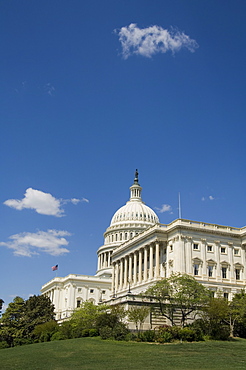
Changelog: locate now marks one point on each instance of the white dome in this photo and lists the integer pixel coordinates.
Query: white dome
(135, 211)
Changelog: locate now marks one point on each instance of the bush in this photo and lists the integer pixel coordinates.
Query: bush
(167, 334)
(106, 332)
(120, 331)
(188, 335)
(147, 336)
(85, 333)
(93, 333)
(57, 336)
(165, 338)
(3, 344)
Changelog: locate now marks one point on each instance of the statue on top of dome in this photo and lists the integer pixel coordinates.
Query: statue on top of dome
(136, 177)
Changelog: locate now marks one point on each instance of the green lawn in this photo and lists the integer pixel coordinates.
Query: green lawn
(95, 354)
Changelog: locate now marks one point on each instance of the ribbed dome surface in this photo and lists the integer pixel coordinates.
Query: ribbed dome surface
(134, 211)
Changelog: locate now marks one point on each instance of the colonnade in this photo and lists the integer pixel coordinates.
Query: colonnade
(104, 260)
(139, 266)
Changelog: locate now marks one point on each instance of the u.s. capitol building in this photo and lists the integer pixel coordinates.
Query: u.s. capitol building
(138, 251)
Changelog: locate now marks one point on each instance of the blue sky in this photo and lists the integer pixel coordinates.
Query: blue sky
(92, 90)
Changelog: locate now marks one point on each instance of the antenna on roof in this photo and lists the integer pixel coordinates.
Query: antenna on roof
(179, 207)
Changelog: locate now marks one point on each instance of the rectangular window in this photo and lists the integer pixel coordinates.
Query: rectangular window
(223, 250)
(79, 290)
(78, 303)
(236, 252)
(195, 246)
(196, 269)
(103, 291)
(171, 248)
(209, 248)
(226, 295)
(224, 270)
(237, 271)
(91, 290)
(210, 271)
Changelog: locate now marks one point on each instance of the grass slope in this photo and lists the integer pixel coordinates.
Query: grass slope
(93, 353)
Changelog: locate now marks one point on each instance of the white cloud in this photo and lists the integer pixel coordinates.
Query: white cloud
(75, 200)
(210, 198)
(164, 208)
(49, 89)
(28, 244)
(42, 203)
(152, 40)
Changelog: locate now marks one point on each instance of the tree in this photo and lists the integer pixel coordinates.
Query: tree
(1, 305)
(138, 315)
(179, 293)
(21, 317)
(85, 317)
(12, 321)
(220, 312)
(37, 310)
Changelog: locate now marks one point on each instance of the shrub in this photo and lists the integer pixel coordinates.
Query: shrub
(106, 332)
(188, 335)
(165, 338)
(93, 333)
(147, 336)
(3, 344)
(120, 331)
(85, 333)
(57, 336)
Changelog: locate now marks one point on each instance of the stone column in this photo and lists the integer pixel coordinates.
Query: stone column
(113, 279)
(151, 261)
(203, 256)
(231, 268)
(125, 273)
(140, 265)
(130, 268)
(145, 263)
(116, 275)
(135, 269)
(243, 261)
(121, 274)
(157, 260)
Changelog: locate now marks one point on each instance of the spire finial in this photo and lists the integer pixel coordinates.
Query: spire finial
(136, 177)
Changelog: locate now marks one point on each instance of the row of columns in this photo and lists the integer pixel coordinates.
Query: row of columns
(104, 260)
(137, 267)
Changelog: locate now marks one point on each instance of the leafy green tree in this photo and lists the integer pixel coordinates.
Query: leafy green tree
(216, 311)
(44, 332)
(138, 315)
(1, 305)
(86, 317)
(37, 310)
(220, 312)
(21, 317)
(179, 293)
(12, 322)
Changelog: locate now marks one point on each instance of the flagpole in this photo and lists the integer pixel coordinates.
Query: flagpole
(179, 207)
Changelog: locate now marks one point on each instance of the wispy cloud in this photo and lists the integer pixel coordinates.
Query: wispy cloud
(152, 40)
(49, 89)
(164, 208)
(210, 197)
(42, 203)
(28, 244)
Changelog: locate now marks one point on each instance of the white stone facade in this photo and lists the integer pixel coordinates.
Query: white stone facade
(138, 251)
(70, 292)
(213, 254)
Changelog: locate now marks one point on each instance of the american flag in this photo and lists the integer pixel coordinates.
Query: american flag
(54, 267)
